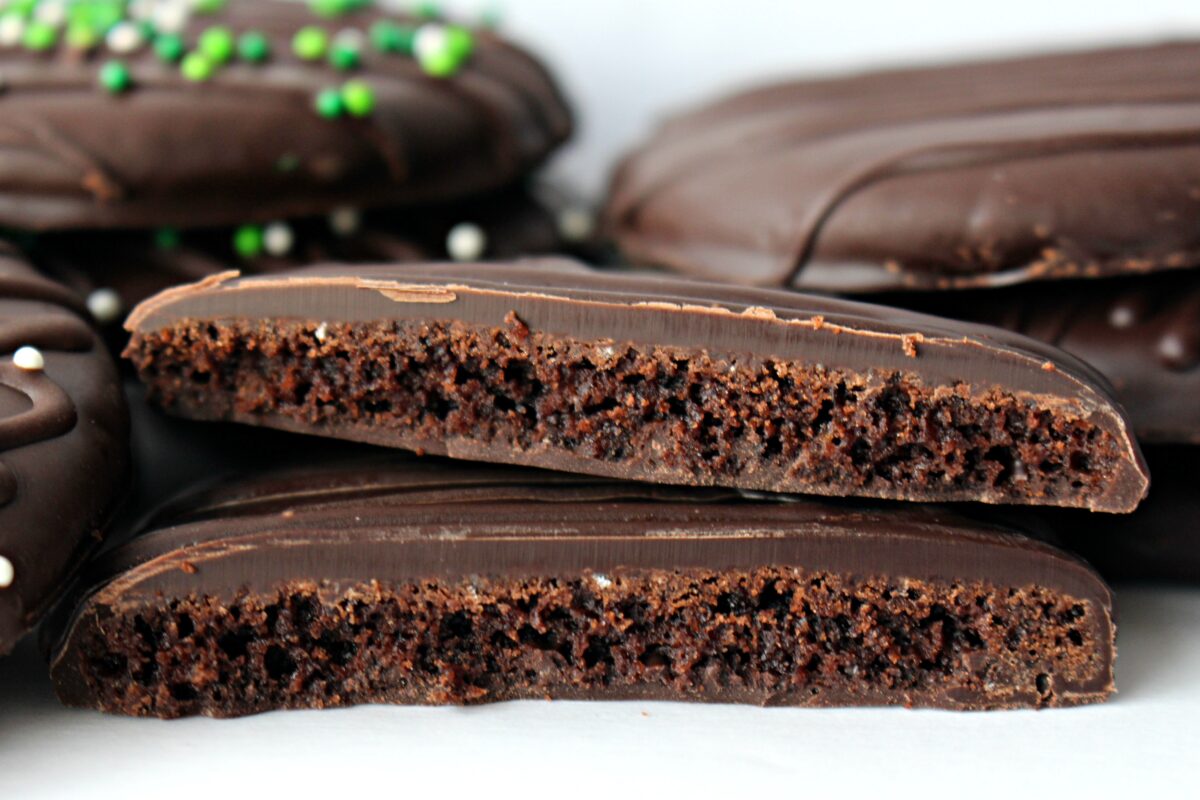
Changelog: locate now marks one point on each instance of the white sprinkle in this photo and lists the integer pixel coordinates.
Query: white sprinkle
(7, 573)
(278, 238)
(12, 28)
(51, 12)
(430, 41)
(105, 305)
(322, 332)
(345, 221)
(124, 37)
(466, 242)
(576, 224)
(171, 17)
(352, 38)
(602, 581)
(29, 358)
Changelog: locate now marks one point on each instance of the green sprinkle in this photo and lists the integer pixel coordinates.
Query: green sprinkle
(459, 42)
(217, 44)
(358, 98)
(169, 47)
(328, 103)
(207, 6)
(196, 67)
(442, 54)
(254, 47)
(40, 35)
(310, 43)
(344, 57)
(428, 10)
(390, 37)
(248, 241)
(115, 77)
(288, 162)
(166, 238)
(82, 36)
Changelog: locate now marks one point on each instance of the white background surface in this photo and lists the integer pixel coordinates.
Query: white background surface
(625, 63)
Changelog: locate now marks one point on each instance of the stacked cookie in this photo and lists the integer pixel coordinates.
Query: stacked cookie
(626, 485)
(1053, 196)
(152, 143)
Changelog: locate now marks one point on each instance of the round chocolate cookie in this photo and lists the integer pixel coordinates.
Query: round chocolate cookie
(166, 112)
(983, 174)
(64, 449)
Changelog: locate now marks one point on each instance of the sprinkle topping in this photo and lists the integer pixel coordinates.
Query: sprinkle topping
(310, 43)
(217, 44)
(466, 242)
(169, 47)
(248, 241)
(345, 221)
(29, 359)
(253, 47)
(115, 77)
(124, 37)
(196, 67)
(104, 305)
(358, 98)
(7, 573)
(278, 239)
(40, 36)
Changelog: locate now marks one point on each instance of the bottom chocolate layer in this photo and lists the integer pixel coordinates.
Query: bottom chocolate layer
(423, 582)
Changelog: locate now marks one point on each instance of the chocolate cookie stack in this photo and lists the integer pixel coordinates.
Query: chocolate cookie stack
(626, 485)
(1052, 196)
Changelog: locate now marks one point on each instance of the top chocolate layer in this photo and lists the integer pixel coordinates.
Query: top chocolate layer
(248, 143)
(63, 443)
(568, 323)
(981, 174)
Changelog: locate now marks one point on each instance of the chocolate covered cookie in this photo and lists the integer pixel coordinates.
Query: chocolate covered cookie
(429, 582)
(549, 364)
(64, 450)
(985, 174)
(174, 113)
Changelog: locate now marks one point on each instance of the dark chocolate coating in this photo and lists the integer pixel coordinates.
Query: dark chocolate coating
(63, 443)
(396, 520)
(247, 144)
(562, 298)
(982, 174)
(1143, 333)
